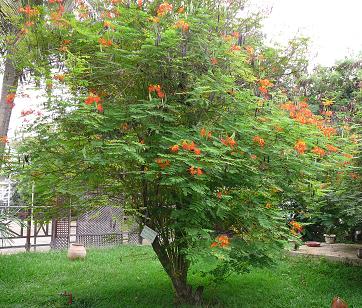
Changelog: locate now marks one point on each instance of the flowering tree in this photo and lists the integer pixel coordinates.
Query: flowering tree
(163, 108)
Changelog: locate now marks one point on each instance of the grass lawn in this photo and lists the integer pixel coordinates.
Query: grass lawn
(131, 276)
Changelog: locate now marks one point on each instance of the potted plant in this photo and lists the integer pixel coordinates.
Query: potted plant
(329, 236)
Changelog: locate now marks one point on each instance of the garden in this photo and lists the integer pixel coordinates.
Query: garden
(174, 133)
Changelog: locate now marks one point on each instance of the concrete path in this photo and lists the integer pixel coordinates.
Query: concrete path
(346, 253)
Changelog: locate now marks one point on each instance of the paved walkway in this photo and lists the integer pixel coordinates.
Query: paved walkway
(335, 252)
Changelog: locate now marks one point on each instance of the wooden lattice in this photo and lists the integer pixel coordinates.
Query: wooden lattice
(100, 227)
(60, 233)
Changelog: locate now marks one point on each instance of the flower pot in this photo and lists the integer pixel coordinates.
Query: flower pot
(359, 253)
(76, 251)
(329, 238)
(339, 303)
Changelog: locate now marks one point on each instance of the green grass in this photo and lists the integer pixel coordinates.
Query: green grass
(131, 276)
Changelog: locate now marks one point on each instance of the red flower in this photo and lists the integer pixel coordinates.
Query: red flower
(219, 194)
(140, 3)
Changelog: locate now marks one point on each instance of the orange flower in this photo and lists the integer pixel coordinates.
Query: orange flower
(203, 132)
(327, 103)
(194, 171)
(235, 48)
(156, 20)
(197, 151)
(329, 113)
(295, 227)
(209, 135)
(328, 131)
(100, 107)
(228, 141)
(164, 8)
(263, 90)
(268, 206)
(332, 148)
(300, 147)
(235, 34)
(303, 104)
(104, 42)
(59, 77)
(181, 24)
(249, 50)
(253, 156)
(354, 175)
(265, 83)
(214, 61)
(92, 98)
(163, 163)
(175, 148)
(4, 139)
(259, 140)
(318, 151)
(278, 128)
(181, 10)
(140, 3)
(349, 156)
(192, 146)
(10, 99)
(156, 88)
(185, 146)
(219, 194)
(222, 241)
(27, 10)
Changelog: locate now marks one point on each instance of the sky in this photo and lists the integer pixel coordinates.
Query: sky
(334, 27)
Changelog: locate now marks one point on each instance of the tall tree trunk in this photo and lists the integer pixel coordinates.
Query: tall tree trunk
(176, 267)
(10, 84)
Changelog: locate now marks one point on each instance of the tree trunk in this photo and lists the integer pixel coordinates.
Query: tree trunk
(176, 267)
(10, 84)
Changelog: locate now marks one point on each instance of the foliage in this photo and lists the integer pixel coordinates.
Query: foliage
(163, 106)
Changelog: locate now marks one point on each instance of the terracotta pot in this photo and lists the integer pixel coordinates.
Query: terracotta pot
(329, 238)
(359, 253)
(339, 303)
(76, 251)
